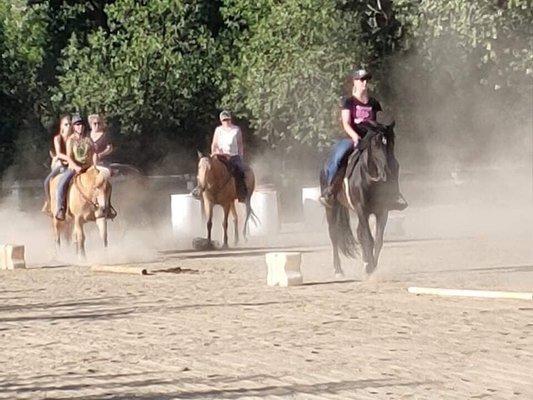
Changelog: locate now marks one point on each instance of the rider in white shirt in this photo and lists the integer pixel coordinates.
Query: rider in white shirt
(227, 145)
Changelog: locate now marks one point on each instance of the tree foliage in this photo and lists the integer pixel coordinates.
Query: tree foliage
(154, 71)
(292, 59)
(160, 69)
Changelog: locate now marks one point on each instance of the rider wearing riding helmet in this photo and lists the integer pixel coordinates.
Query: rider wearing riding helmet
(227, 144)
(358, 115)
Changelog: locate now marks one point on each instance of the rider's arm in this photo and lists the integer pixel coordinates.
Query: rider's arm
(108, 150)
(239, 143)
(345, 115)
(214, 143)
(57, 148)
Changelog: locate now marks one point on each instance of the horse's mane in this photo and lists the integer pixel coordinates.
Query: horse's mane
(387, 131)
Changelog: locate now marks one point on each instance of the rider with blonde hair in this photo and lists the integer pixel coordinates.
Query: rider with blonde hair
(102, 149)
(59, 157)
(102, 146)
(358, 115)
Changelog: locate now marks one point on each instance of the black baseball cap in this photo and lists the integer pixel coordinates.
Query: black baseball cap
(76, 119)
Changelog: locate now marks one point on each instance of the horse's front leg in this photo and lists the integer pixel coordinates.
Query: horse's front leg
(80, 237)
(225, 226)
(381, 222)
(364, 236)
(208, 209)
(332, 229)
(102, 228)
(57, 232)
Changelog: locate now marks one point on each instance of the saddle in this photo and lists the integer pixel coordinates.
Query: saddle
(240, 181)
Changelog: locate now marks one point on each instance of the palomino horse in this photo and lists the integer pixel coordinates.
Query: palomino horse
(88, 197)
(364, 191)
(218, 187)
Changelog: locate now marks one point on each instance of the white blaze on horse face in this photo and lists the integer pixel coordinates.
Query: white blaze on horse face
(384, 140)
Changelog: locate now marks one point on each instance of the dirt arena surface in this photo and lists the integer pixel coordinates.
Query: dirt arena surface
(215, 330)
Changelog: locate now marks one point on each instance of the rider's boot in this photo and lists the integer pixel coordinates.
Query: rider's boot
(197, 193)
(110, 212)
(328, 197)
(60, 215)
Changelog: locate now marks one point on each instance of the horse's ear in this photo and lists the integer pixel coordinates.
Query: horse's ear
(200, 155)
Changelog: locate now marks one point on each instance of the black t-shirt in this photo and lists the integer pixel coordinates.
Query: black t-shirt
(361, 112)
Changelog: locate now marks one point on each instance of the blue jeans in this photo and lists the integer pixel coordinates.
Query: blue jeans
(56, 169)
(62, 188)
(237, 169)
(342, 148)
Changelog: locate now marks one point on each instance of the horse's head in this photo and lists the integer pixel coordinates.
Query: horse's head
(204, 166)
(376, 160)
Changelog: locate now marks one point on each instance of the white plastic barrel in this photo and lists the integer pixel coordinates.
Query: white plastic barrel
(264, 202)
(186, 212)
(313, 211)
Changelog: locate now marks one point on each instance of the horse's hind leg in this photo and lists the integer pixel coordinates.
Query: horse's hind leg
(381, 222)
(334, 239)
(225, 226)
(235, 223)
(364, 237)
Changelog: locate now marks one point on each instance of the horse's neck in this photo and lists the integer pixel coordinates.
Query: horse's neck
(217, 174)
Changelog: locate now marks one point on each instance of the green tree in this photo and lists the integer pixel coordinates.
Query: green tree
(288, 69)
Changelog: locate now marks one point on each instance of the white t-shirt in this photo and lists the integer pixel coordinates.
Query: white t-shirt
(227, 139)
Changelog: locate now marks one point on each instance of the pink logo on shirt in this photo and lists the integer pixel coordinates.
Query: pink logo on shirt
(363, 113)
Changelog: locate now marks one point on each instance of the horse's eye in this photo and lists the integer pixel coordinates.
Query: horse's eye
(384, 140)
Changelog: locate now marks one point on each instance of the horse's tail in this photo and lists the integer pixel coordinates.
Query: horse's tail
(250, 214)
(341, 224)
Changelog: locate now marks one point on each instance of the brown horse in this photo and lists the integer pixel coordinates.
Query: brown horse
(218, 187)
(88, 197)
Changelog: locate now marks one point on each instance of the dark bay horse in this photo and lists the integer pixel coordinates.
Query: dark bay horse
(218, 187)
(365, 191)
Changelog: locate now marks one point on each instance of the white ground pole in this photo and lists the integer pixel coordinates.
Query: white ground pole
(471, 293)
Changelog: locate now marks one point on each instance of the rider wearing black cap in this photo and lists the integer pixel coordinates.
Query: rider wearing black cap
(80, 156)
(359, 112)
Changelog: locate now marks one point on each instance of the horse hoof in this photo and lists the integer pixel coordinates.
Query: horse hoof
(339, 275)
(369, 269)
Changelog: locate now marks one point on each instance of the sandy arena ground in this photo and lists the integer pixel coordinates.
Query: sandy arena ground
(216, 331)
